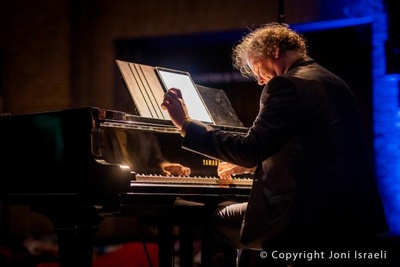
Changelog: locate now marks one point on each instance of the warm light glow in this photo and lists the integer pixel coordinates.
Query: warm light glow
(124, 167)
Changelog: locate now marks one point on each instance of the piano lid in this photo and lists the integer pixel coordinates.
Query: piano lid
(52, 152)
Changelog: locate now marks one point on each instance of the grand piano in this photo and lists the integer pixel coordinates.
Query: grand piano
(78, 166)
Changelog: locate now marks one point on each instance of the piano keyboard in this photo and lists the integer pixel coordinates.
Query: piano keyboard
(187, 180)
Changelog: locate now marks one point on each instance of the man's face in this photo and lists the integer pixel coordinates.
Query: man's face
(263, 69)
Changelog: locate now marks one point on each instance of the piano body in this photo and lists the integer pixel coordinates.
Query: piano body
(77, 166)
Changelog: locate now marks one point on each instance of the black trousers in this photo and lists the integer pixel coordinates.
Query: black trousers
(325, 250)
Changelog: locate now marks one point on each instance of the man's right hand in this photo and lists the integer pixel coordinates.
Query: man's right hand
(175, 105)
(226, 170)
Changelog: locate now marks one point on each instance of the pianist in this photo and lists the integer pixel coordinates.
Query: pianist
(313, 183)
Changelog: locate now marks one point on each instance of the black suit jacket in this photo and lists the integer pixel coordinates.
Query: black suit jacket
(314, 176)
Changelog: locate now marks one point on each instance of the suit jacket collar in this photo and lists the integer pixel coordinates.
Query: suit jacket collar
(301, 62)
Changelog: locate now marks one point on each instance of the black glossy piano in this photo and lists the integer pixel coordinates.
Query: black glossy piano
(78, 166)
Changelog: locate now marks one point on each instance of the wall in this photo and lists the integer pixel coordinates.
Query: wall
(58, 54)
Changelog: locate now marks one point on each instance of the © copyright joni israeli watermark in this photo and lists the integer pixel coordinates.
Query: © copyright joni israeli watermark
(324, 255)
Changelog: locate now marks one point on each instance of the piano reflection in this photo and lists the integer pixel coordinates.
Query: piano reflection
(77, 166)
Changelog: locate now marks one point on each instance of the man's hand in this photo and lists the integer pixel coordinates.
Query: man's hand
(226, 170)
(176, 107)
(174, 169)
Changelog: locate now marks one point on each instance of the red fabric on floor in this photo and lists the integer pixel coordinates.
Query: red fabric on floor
(128, 255)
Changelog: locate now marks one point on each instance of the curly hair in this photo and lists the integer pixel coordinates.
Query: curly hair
(262, 42)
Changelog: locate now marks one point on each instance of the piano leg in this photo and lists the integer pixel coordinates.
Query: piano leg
(166, 219)
(186, 239)
(75, 227)
(165, 244)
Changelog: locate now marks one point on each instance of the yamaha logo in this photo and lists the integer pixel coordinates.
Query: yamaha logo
(210, 162)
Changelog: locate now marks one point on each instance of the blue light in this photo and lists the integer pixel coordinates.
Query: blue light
(331, 24)
(387, 145)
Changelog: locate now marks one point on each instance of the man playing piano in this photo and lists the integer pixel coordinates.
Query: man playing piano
(313, 183)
